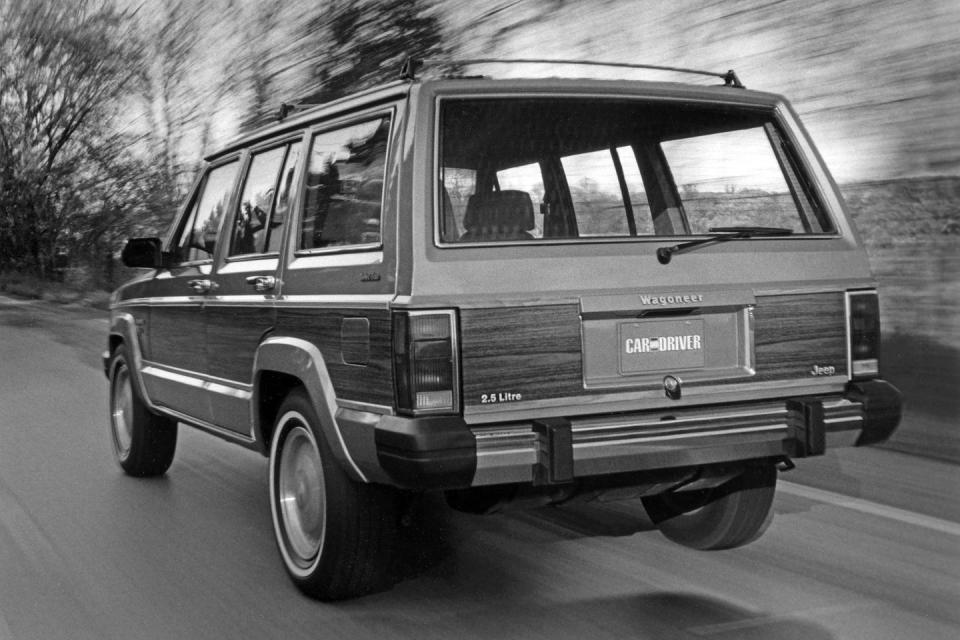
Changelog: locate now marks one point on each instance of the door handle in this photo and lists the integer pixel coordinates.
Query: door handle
(202, 285)
(262, 283)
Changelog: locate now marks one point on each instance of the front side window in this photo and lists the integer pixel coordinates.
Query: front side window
(344, 186)
(197, 239)
(545, 169)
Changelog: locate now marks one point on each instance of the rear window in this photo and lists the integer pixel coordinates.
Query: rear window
(562, 169)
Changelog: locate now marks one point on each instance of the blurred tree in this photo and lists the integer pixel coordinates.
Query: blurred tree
(258, 58)
(352, 44)
(172, 34)
(63, 65)
(192, 67)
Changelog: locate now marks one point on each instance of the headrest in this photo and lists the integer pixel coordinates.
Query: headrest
(499, 208)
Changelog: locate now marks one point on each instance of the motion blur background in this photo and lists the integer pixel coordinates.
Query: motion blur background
(107, 108)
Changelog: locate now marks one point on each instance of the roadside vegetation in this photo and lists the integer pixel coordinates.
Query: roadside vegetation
(106, 111)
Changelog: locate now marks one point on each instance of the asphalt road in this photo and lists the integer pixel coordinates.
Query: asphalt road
(865, 543)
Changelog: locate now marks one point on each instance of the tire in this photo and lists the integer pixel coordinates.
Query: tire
(731, 515)
(336, 536)
(143, 442)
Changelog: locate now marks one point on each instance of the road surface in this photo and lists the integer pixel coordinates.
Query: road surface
(865, 543)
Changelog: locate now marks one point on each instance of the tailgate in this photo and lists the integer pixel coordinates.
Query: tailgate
(613, 352)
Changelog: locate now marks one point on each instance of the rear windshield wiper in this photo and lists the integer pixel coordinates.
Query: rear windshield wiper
(664, 254)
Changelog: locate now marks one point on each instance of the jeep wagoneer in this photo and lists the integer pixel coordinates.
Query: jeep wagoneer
(543, 289)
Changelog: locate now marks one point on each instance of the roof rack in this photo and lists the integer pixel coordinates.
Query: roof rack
(411, 65)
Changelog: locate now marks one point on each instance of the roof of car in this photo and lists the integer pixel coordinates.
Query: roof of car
(305, 114)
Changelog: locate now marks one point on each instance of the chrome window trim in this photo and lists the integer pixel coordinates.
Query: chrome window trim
(323, 258)
(250, 262)
(351, 301)
(333, 301)
(205, 267)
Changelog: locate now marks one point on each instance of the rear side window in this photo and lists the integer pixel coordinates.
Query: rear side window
(197, 240)
(344, 186)
(544, 169)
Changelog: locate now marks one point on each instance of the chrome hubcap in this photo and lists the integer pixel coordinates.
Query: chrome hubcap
(122, 411)
(301, 494)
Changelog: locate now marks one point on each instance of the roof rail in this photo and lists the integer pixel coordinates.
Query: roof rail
(411, 65)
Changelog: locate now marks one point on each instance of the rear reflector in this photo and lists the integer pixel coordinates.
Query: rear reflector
(425, 362)
(863, 330)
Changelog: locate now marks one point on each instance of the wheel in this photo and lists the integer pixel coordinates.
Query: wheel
(731, 515)
(335, 536)
(143, 442)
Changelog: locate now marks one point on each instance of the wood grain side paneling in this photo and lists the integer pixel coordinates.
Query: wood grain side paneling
(794, 332)
(233, 334)
(373, 382)
(178, 337)
(532, 351)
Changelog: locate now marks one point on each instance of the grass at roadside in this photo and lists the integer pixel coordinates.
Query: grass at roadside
(67, 292)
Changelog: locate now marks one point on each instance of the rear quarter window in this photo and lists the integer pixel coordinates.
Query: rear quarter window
(344, 186)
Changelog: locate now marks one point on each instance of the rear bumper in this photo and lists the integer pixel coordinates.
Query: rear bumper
(445, 452)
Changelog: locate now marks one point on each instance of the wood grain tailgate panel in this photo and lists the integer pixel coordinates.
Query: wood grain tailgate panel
(794, 332)
(534, 351)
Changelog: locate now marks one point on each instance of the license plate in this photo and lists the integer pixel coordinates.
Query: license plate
(661, 345)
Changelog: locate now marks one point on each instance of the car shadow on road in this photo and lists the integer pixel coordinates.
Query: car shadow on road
(426, 535)
(658, 615)
(524, 575)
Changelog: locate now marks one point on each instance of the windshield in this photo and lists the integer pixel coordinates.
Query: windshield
(562, 169)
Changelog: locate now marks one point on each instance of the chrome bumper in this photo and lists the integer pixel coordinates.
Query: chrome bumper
(590, 446)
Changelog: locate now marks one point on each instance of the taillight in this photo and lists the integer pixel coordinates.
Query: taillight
(425, 362)
(863, 330)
